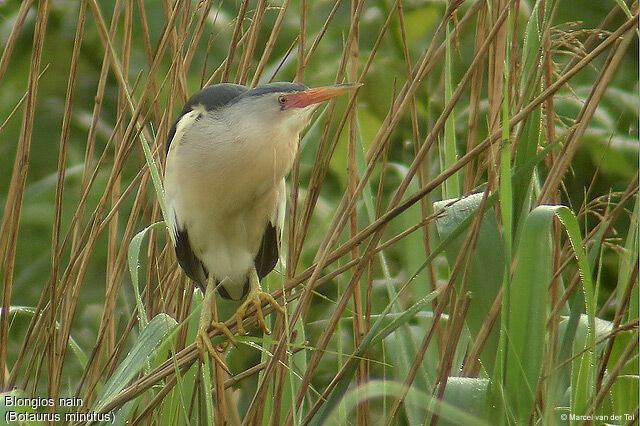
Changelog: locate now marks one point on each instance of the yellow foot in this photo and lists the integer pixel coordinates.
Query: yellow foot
(203, 341)
(255, 298)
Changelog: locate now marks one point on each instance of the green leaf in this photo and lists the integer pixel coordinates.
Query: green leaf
(486, 269)
(142, 352)
(466, 393)
(527, 310)
(133, 256)
(421, 400)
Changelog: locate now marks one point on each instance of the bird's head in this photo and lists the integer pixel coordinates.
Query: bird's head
(287, 105)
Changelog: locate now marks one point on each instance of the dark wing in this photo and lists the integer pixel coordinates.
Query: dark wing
(187, 259)
(267, 256)
(211, 97)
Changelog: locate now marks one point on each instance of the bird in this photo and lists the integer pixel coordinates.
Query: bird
(228, 154)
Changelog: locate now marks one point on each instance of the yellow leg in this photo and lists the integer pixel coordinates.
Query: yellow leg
(206, 314)
(255, 296)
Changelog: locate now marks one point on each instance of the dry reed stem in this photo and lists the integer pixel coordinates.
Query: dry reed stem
(21, 17)
(333, 232)
(268, 48)
(471, 177)
(462, 264)
(416, 147)
(471, 366)
(453, 337)
(324, 338)
(584, 118)
(362, 410)
(234, 39)
(62, 161)
(301, 42)
(13, 205)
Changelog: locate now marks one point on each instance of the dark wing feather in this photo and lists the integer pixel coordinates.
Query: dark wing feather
(267, 256)
(189, 262)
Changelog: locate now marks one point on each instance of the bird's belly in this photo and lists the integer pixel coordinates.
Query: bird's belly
(225, 249)
(227, 241)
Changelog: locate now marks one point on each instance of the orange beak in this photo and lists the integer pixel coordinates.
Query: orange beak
(317, 95)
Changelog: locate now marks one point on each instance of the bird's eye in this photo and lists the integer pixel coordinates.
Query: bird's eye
(282, 100)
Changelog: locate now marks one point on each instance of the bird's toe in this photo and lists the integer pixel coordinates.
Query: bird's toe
(256, 299)
(204, 345)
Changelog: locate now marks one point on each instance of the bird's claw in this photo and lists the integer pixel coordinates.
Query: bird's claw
(255, 299)
(203, 341)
